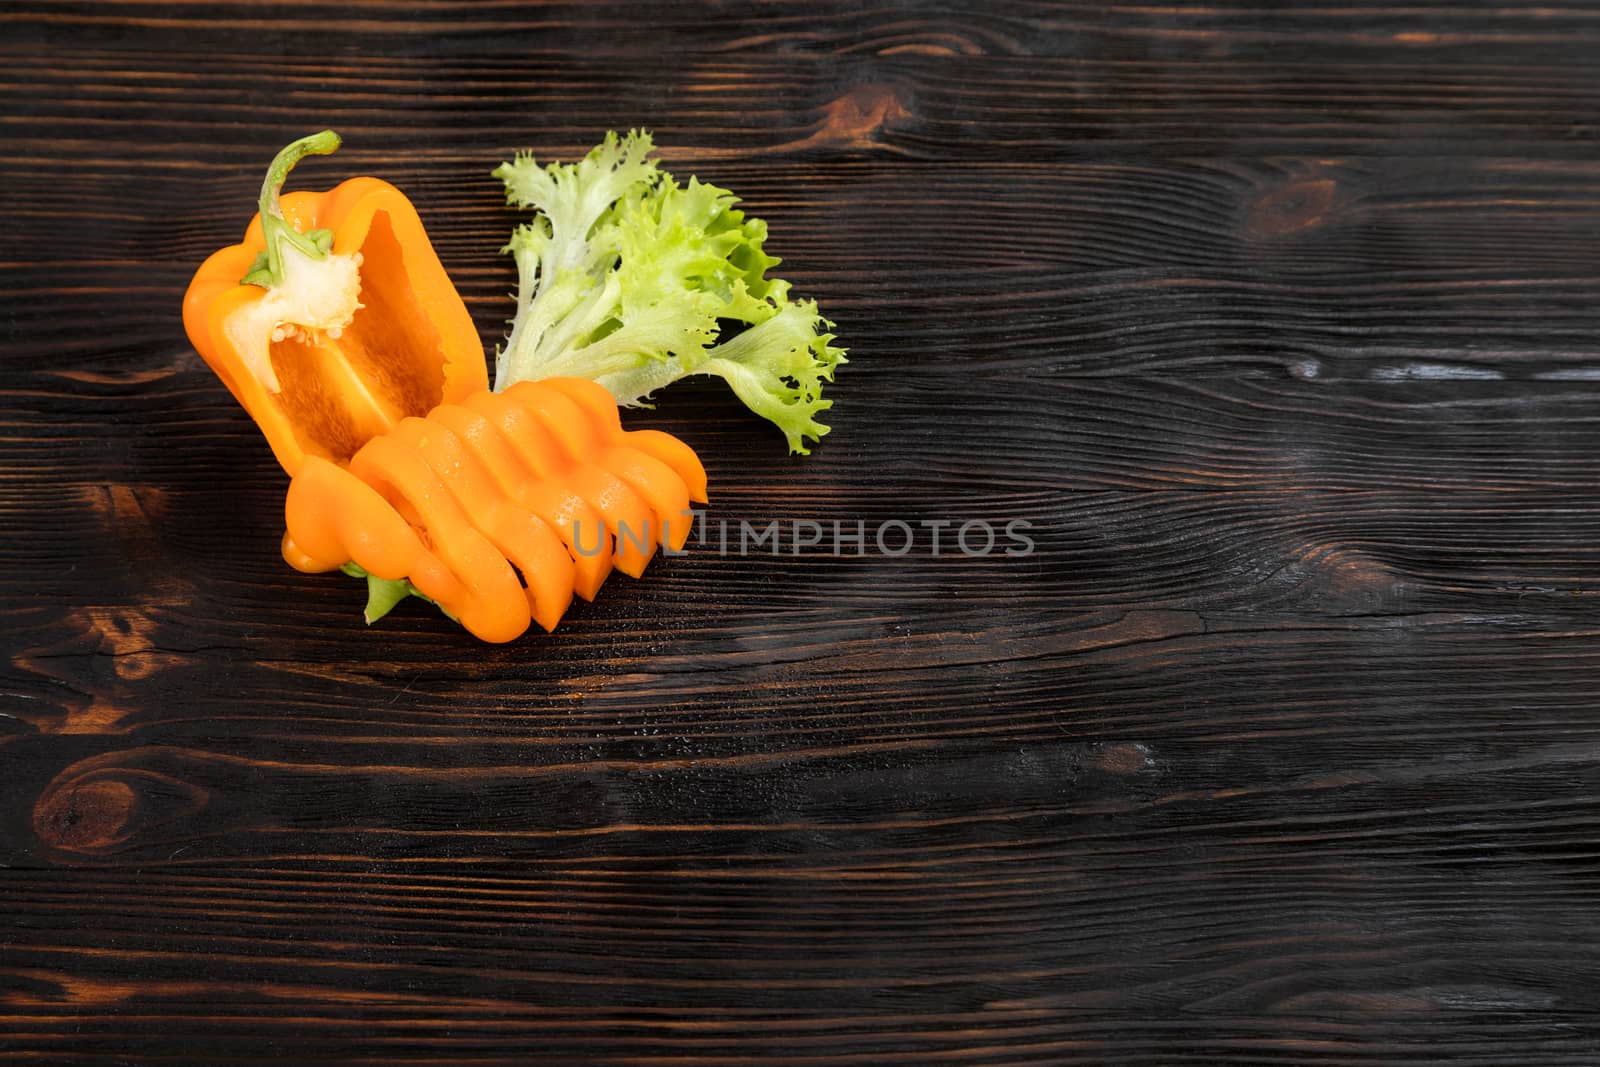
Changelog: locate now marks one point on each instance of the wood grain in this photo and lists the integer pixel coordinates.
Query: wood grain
(1277, 324)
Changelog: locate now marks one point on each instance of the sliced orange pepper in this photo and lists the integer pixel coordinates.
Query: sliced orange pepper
(452, 502)
(675, 454)
(569, 514)
(335, 326)
(363, 529)
(525, 540)
(662, 487)
(526, 488)
(482, 590)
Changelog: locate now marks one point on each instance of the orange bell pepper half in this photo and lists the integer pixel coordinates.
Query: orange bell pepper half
(333, 319)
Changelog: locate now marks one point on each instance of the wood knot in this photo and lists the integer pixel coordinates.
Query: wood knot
(95, 809)
(1299, 205)
(1350, 567)
(855, 119)
(1127, 757)
(86, 817)
(1349, 576)
(132, 515)
(128, 636)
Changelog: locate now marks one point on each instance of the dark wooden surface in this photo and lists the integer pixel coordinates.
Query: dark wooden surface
(1281, 324)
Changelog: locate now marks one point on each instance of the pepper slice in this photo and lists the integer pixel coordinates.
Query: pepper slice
(333, 319)
(453, 503)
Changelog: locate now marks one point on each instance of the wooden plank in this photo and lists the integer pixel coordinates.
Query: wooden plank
(796, 30)
(1281, 102)
(164, 432)
(1418, 844)
(1042, 548)
(1277, 882)
(797, 686)
(1387, 270)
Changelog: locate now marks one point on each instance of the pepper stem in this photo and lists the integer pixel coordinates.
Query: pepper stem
(267, 270)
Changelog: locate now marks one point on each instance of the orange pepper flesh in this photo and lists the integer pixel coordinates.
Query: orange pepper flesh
(411, 346)
(540, 480)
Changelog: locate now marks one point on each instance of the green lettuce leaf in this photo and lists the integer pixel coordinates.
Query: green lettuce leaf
(384, 593)
(634, 280)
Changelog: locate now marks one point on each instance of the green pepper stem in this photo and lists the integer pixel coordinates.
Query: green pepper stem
(267, 271)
